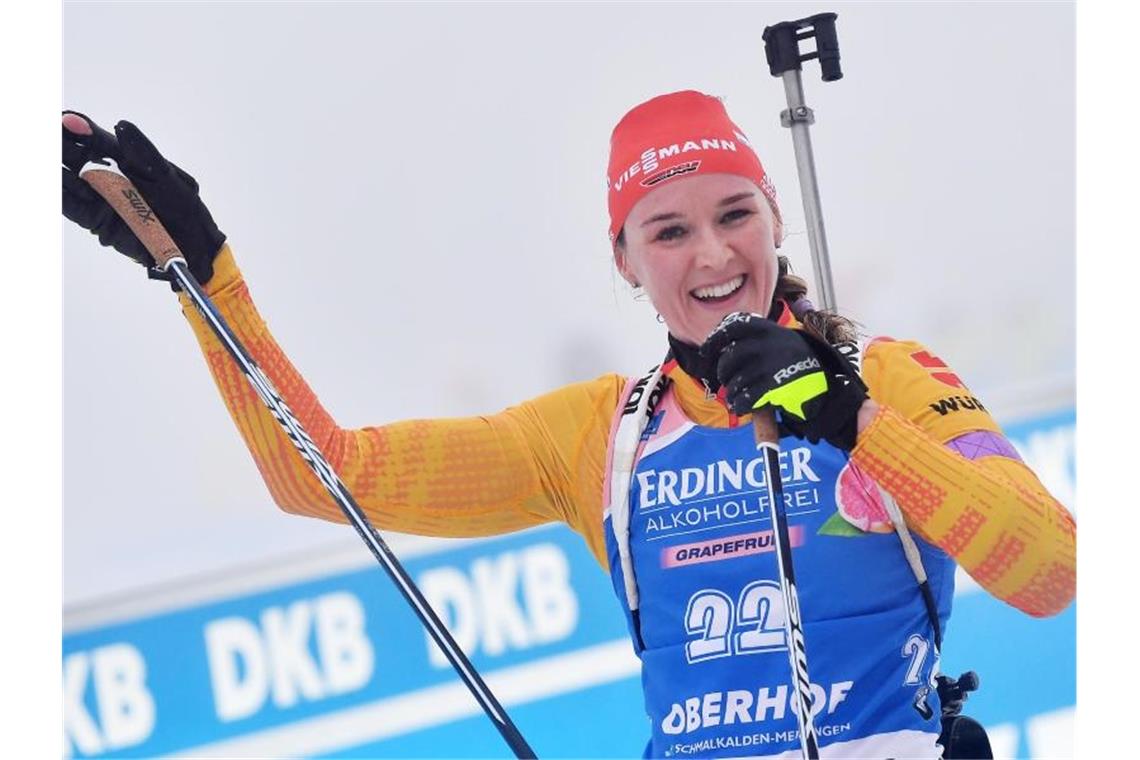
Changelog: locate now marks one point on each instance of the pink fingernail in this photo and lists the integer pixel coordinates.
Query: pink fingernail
(77, 124)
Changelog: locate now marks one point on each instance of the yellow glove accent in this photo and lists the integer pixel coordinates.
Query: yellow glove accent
(792, 397)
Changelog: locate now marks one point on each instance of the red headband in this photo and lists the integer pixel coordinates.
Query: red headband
(676, 135)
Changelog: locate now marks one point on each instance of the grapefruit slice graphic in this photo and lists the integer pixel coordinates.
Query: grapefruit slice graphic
(859, 502)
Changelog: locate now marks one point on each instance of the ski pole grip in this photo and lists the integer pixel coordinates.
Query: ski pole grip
(128, 203)
(764, 426)
(782, 45)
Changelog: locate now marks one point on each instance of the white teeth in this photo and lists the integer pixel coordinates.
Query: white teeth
(719, 291)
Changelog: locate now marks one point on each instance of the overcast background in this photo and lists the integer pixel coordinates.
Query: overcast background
(416, 196)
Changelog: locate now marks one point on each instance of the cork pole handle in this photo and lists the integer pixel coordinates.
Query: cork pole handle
(128, 203)
(764, 426)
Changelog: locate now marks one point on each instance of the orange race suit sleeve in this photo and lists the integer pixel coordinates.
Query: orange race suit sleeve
(538, 462)
(543, 460)
(960, 484)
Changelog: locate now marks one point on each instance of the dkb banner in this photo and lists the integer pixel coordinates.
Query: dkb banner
(321, 656)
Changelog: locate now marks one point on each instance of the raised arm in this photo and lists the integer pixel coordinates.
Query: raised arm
(538, 462)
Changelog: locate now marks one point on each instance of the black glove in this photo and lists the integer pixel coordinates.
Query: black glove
(953, 692)
(816, 390)
(171, 192)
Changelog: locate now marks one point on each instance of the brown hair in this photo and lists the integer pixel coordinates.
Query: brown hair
(832, 327)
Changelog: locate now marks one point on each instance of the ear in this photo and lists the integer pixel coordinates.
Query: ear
(621, 261)
(777, 223)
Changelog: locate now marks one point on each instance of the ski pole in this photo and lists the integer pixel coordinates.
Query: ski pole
(781, 46)
(768, 441)
(129, 204)
(782, 49)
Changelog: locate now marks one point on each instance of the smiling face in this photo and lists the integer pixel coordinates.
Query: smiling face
(701, 247)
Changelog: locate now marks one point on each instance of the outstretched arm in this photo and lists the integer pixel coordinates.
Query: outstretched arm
(475, 476)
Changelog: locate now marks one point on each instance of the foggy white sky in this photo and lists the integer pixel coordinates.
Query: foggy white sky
(416, 196)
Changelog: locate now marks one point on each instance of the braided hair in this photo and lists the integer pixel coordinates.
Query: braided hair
(827, 325)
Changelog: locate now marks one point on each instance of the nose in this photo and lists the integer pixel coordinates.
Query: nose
(712, 251)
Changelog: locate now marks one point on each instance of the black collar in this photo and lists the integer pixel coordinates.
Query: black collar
(694, 365)
(691, 362)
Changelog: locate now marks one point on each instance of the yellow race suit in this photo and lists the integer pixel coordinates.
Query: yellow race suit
(544, 460)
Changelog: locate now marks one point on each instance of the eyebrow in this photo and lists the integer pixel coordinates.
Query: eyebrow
(734, 198)
(660, 218)
(674, 215)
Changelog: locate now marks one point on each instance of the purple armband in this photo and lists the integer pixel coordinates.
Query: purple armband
(983, 443)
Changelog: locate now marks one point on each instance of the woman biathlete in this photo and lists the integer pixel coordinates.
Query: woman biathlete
(660, 475)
